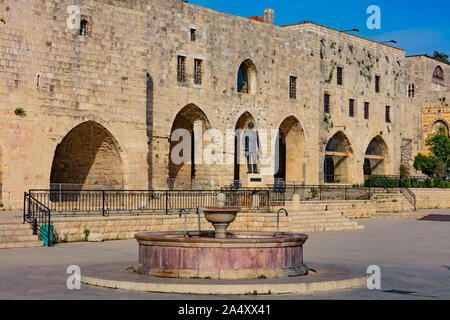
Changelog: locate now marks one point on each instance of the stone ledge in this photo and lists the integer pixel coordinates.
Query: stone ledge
(326, 278)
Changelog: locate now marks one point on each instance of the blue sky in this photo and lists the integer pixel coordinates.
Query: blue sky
(418, 26)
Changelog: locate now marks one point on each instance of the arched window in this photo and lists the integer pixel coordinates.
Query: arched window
(438, 73)
(83, 27)
(438, 79)
(246, 79)
(411, 90)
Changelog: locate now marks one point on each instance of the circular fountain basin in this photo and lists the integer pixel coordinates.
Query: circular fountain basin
(241, 255)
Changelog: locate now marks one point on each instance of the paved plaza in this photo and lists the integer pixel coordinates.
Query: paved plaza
(414, 256)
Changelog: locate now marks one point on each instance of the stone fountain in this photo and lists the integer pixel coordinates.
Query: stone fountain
(221, 254)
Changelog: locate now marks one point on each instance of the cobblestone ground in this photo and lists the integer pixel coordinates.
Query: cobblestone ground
(413, 256)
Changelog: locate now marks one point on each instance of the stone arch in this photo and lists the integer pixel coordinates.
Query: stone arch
(337, 164)
(182, 174)
(239, 159)
(290, 150)
(376, 158)
(438, 74)
(88, 158)
(440, 123)
(246, 77)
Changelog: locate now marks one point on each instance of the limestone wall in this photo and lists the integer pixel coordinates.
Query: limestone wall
(432, 198)
(123, 76)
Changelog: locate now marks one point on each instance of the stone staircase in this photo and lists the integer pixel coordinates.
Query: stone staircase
(15, 234)
(352, 209)
(392, 202)
(315, 221)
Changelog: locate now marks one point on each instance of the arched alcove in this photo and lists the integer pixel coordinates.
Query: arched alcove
(290, 151)
(376, 158)
(182, 167)
(336, 162)
(87, 158)
(239, 159)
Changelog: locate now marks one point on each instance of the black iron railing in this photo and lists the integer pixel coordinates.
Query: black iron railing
(410, 196)
(322, 192)
(134, 201)
(38, 216)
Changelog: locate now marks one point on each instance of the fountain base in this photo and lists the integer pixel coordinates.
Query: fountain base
(241, 255)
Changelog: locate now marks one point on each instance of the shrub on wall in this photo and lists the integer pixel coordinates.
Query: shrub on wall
(388, 182)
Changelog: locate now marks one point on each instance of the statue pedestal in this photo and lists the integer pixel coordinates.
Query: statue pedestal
(256, 180)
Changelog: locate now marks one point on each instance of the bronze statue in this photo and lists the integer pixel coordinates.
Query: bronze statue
(252, 148)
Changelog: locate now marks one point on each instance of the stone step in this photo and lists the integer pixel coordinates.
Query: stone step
(11, 221)
(321, 229)
(14, 226)
(23, 238)
(324, 225)
(21, 244)
(15, 232)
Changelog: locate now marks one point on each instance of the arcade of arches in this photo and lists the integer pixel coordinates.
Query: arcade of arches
(88, 157)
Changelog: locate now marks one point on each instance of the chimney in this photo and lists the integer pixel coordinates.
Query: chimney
(269, 16)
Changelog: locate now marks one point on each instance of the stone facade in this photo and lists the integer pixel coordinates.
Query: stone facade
(99, 109)
(430, 96)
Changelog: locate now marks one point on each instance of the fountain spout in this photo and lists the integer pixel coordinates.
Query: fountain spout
(278, 219)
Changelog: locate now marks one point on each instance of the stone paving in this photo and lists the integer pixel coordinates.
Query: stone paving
(413, 256)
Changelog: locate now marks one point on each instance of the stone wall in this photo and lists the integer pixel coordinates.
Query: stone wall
(122, 76)
(432, 198)
(430, 99)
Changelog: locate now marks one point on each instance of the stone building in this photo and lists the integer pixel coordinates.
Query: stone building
(94, 101)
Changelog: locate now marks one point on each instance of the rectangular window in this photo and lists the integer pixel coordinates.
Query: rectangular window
(388, 114)
(181, 69)
(193, 34)
(326, 103)
(366, 110)
(351, 108)
(293, 87)
(339, 76)
(198, 71)
(377, 84)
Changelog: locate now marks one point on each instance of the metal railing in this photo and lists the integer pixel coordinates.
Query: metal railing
(410, 196)
(39, 217)
(143, 201)
(321, 192)
(190, 184)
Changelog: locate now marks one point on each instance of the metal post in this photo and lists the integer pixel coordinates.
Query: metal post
(167, 202)
(24, 205)
(103, 202)
(34, 226)
(49, 230)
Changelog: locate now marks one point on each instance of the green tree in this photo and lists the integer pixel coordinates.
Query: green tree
(440, 56)
(427, 164)
(437, 164)
(439, 145)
